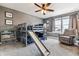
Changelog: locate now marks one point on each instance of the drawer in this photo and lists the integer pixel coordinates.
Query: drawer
(5, 36)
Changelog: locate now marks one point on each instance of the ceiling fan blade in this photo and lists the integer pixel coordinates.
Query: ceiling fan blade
(50, 10)
(37, 5)
(37, 10)
(48, 4)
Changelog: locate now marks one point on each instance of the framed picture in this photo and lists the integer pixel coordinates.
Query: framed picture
(8, 14)
(8, 22)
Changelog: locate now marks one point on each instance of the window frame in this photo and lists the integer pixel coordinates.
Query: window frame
(61, 18)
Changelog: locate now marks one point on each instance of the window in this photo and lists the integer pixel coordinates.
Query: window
(65, 23)
(61, 24)
(58, 24)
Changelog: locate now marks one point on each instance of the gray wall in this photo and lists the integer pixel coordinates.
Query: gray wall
(18, 17)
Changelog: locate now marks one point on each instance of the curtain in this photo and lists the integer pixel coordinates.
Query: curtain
(73, 22)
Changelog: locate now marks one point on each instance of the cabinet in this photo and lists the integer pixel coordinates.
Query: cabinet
(7, 33)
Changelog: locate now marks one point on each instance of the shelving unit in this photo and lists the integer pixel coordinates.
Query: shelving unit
(24, 37)
(7, 33)
(22, 33)
(29, 38)
(38, 29)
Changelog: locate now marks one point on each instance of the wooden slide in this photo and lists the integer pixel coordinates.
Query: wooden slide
(39, 44)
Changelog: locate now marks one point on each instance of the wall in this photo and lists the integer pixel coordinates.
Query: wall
(73, 22)
(18, 17)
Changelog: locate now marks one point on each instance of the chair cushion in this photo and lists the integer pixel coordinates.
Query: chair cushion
(69, 32)
(65, 36)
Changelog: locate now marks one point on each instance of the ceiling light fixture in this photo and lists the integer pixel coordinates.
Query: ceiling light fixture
(43, 8)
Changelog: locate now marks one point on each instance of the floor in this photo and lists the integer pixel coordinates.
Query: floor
(52, 43)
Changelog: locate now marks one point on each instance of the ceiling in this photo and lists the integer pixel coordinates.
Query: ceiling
(30, 8)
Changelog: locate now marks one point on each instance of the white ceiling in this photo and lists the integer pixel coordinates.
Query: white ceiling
(29, 8)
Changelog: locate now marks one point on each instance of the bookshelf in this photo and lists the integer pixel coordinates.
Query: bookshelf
(22, 33)
(39, 30)
(7, 33)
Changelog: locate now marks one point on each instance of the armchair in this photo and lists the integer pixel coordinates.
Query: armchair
(67, 37)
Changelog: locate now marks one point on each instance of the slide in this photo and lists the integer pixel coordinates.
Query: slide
(39, 44)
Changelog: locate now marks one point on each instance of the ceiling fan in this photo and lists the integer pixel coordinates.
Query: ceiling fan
(43, 8)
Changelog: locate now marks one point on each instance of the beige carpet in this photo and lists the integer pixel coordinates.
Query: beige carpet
(52, 43)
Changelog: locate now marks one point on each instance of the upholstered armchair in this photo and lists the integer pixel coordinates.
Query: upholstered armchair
(67, 37)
